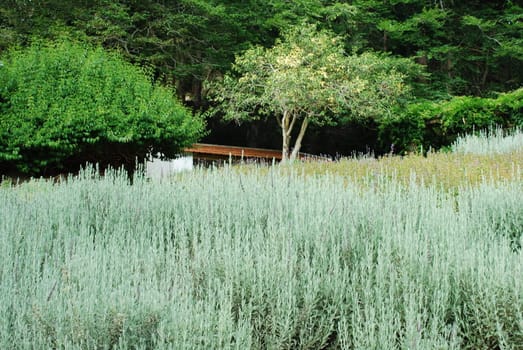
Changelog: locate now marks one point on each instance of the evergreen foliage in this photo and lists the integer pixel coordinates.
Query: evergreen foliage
(470, 49)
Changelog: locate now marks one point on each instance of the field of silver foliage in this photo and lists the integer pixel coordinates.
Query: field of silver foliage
(264, 258)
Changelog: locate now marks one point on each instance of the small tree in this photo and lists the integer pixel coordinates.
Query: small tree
(307, 77)
(62, 105)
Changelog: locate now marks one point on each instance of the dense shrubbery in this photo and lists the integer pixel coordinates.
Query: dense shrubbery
(64, 104)
(436, 124)
(463, 114)
(466, 48)
(407, 129)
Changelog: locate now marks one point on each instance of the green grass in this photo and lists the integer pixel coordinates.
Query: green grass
(279, 258)
(446, 170)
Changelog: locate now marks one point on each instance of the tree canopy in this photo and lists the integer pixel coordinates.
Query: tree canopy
(65, 104)
(307, 77)
(471, 48)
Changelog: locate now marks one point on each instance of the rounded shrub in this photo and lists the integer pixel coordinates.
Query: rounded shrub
(65, 104)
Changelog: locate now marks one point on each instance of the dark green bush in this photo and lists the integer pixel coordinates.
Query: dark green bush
(437, 124)
(410, 129)
(465, 115)
(64, 104)
(510, 105)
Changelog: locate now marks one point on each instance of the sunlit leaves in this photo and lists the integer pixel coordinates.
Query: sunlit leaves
(307, 76)
(61, 99)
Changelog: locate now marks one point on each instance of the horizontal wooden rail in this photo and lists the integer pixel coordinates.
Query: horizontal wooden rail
(202, 149)
(234, 151)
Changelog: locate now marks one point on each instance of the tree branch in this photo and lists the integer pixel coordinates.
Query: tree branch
(294, 118)
(297, 144)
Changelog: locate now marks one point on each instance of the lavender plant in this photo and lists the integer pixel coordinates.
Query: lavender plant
(494, 141)
(221, 259)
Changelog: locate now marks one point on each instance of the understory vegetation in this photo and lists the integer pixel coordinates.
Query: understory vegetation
(279, 258)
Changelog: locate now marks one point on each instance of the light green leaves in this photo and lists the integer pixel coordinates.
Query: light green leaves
(307, 75)
(307, 72)
(61, 98)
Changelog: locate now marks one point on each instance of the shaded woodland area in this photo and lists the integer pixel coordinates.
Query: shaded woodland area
(468, 53)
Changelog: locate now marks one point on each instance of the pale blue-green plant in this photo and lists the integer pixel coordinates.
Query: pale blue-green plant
(220, 259)
(493, 141)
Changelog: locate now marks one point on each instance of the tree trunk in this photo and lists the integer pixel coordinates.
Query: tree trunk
(196, 93)
(485, 74)
(423, 60)
(285, 148)
(286, 135)
(297, 144)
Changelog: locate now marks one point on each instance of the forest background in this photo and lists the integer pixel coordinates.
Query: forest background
(470, 54)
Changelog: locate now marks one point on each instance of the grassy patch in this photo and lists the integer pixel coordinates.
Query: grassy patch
(448, 170)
